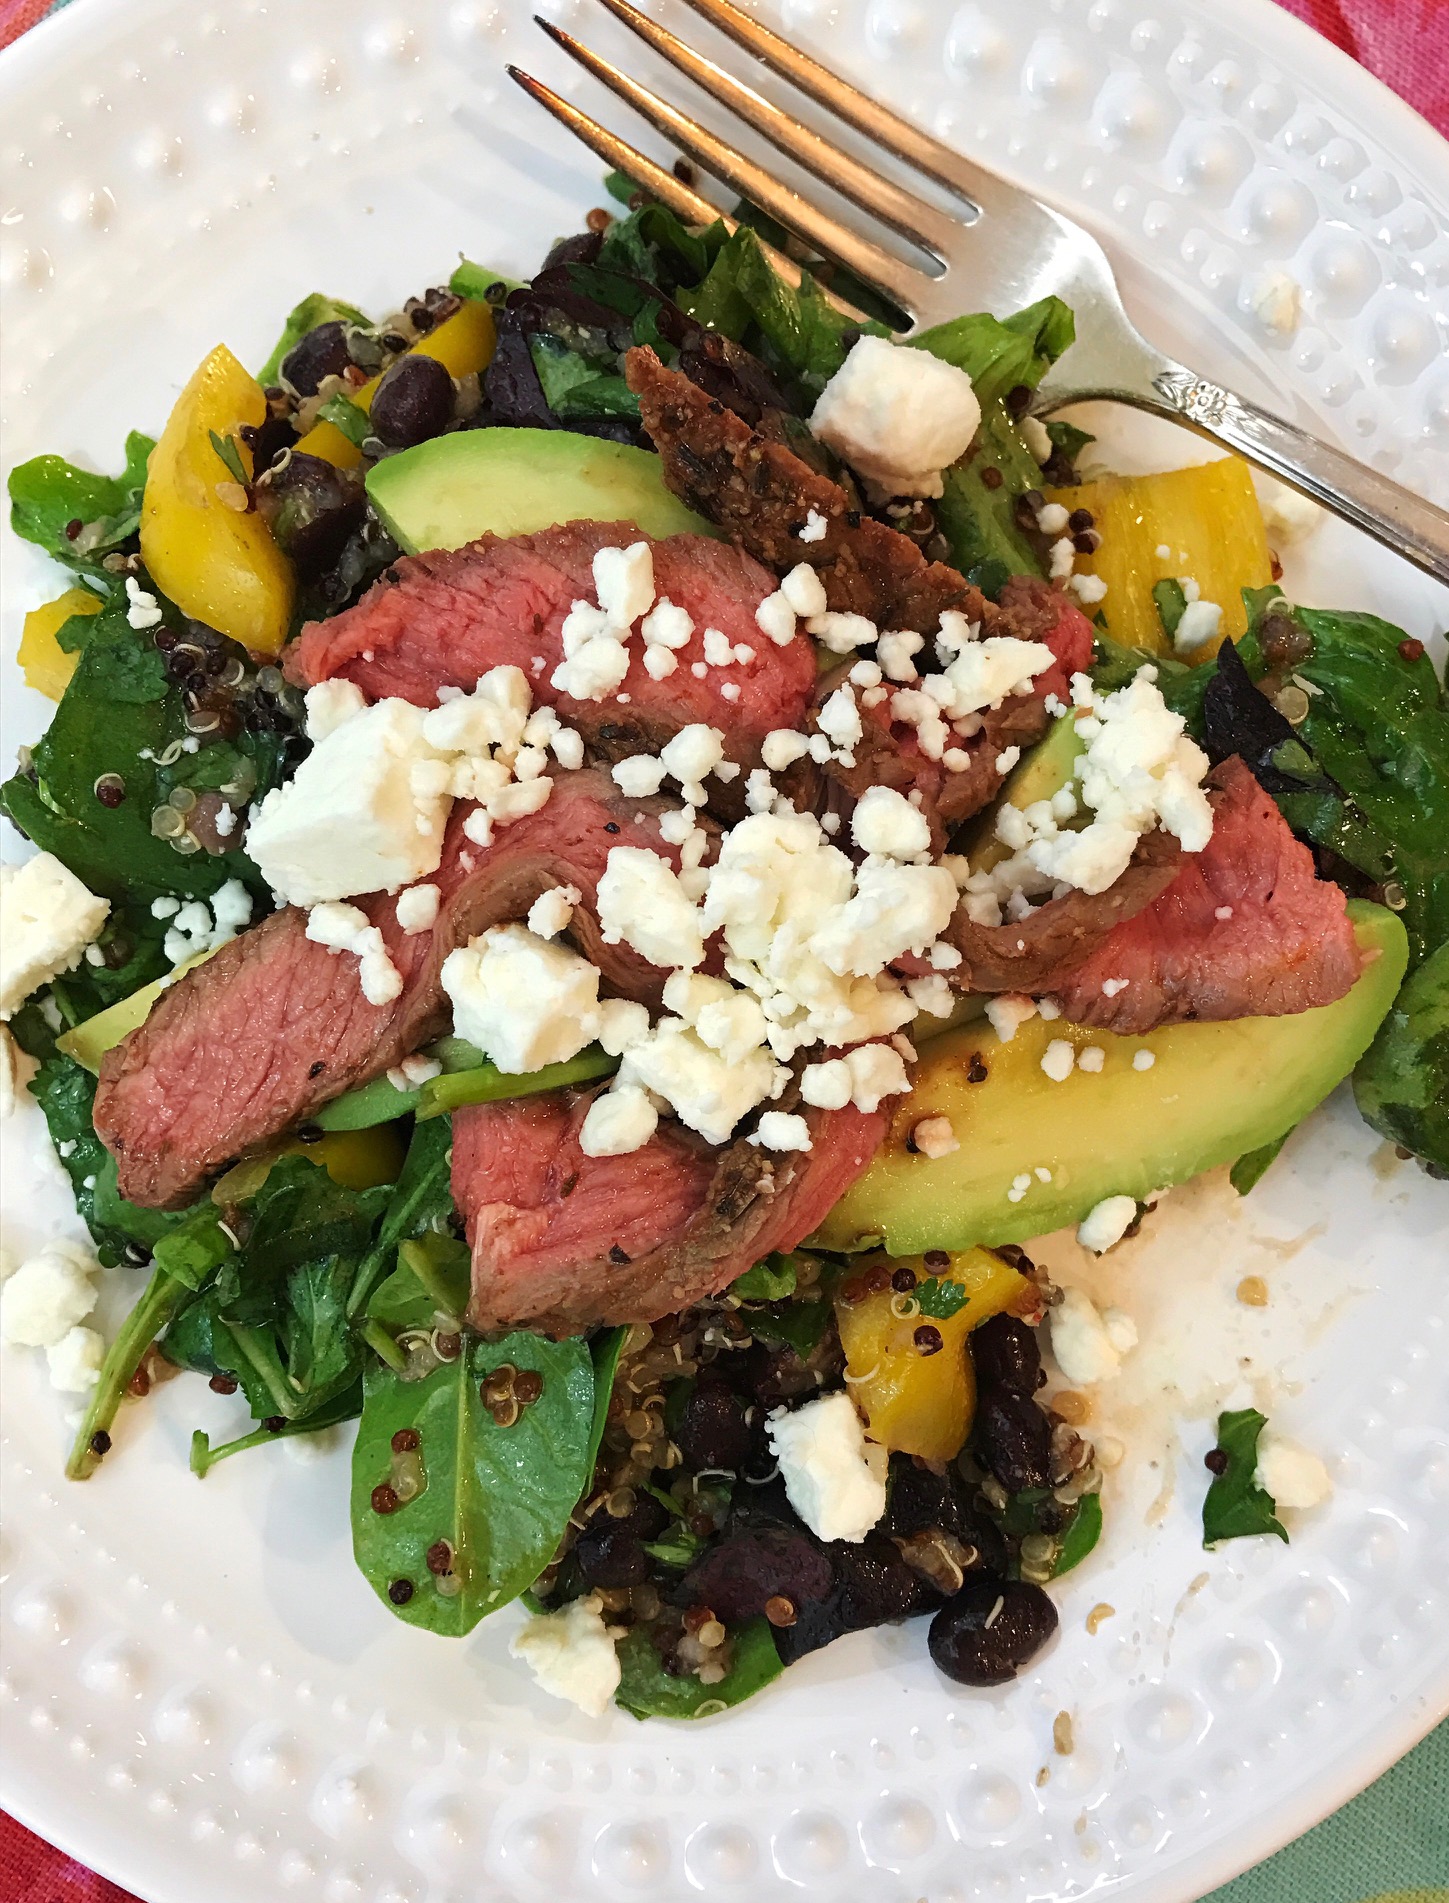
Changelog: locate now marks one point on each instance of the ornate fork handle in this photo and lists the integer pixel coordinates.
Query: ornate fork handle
(1406, 523)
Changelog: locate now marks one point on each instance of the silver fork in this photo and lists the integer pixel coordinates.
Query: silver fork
(1005, 249)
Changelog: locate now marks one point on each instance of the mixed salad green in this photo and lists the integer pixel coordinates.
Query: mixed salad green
(329, 1281)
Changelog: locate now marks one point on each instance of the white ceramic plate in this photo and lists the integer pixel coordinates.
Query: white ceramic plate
(201, 1697)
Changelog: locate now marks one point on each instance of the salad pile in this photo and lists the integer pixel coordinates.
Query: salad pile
(610, 850)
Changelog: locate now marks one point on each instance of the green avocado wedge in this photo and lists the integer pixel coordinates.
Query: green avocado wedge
(1213, 1092)
(518, 481)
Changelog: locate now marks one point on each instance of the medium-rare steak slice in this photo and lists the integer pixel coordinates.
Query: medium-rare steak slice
(1033, 953)
(1245, 930)
(889, 752)
(443, 619)
(275, 1025)
(563, 1241)
(761, 494)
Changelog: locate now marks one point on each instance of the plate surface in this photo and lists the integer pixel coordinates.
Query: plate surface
(200, 1696)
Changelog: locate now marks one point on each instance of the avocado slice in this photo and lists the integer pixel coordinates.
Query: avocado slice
(88, 1043)
(1213, 1092)
(517, 481)
(1047, 768)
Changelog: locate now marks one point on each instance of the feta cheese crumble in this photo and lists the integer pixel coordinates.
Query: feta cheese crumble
(899, 416)
(346, 928)
(572, 1655)
(523, 1000)
(834, 1478)
(1105, 1225)
(780, 1130)
(619, 1122)
(1089, 1345)
(47, 918)
(47, 1296)
(1294, 1477)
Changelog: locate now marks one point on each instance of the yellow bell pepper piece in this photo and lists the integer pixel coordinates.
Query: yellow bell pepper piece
(46, 665)
(357, 1159)
(462, 343)
(916, 1403)
(217, 564)
(1208, 520)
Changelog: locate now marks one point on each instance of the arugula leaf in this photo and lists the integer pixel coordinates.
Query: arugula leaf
(1067, 440)
(1171, 599)
(421, 1200)
(1251, 1168)
(431, 1278)
(652, 243)
(1235, 1506)
(648, 1691)
(47, 494)
(161, 1298)
(1001, 354)
(346, 1407)
(1081, 1535)
(1402, 1085)
(500, 1496)
(573, 388)
(316, 308)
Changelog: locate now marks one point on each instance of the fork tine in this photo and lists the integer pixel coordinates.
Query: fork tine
(899, 209)
(825, 234)
(684, 203)
(969, 182)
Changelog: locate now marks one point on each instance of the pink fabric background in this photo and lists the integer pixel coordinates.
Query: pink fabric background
(1404, 42)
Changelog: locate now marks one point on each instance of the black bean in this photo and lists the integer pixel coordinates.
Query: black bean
(321, 353)
(1013, 1441)
(990, 1629)
(1005, 1355)
(609, 1555)
(413, 401)
(712, 1430)
(739, 1575)
(311, 508)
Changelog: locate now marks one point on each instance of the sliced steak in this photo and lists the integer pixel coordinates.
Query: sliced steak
(563, 1241)
(274, 1026)
(761, 494)
(890, 754)
(1245, 930)
(443, 619)
(1040, 951)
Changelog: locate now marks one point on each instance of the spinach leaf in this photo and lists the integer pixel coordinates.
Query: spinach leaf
(1081, 1535)
(978, 519)
(1401, 1085)
(316, 308)
(648, 1691)
(116, 716)
(431, 1279)
(421, 1200)
(47, 494)
(768, 1281)
(1171, 599)
(604, 1350)
(574, 388)
(1068, 440)
(652, 243)
(1250, 1169)
(1238, 718)
(66, 1094)
(499, 1496)
(1235, 1505)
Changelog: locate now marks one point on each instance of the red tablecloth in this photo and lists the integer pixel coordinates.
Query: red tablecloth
(1406, 43)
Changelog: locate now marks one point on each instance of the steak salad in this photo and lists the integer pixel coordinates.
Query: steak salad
(607, 850)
